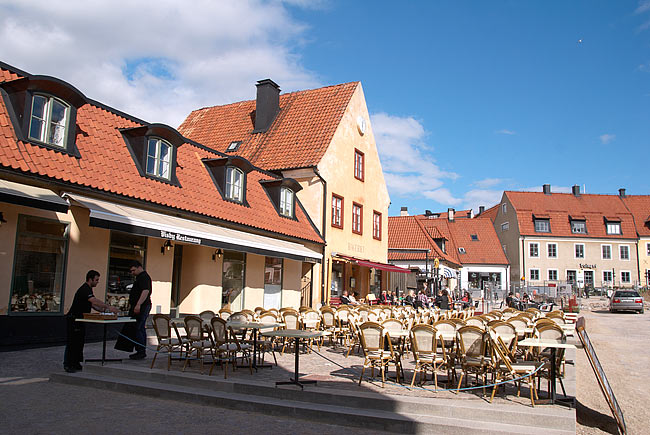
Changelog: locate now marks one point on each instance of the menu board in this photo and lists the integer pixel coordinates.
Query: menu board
(600, 375)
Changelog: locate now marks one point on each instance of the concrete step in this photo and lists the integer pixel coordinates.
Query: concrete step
(380, 412)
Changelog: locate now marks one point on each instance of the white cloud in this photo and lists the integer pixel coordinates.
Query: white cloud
(607, 138)
(488, 182)
(443, 196)
(157, 60)
(644, 6)
(554, 189)
(407, 161)
(505, 131)
(485, 197)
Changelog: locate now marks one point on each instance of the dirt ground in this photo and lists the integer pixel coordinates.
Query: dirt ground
(620, 342)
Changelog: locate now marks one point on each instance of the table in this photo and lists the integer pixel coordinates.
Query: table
(255, 326)
(106, 322)
(297, 334)
(554, 345)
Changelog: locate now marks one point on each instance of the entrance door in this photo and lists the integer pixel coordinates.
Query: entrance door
(176, 280)
(589, 278)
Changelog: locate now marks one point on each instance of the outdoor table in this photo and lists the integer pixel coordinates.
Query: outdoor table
(554, 345)
(106, 322)
(297, 334)
(255, 326)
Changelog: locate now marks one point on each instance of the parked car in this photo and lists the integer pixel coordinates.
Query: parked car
(626, 300)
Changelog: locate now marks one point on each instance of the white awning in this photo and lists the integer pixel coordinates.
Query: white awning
(30, 196)
(119, 217)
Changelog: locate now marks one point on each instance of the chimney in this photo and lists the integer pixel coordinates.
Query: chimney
(404, 211)
(481, 209)
(546, 188)
(621, 193)
(267, 104)
(450, 214)
(470, 214)
(575, 190)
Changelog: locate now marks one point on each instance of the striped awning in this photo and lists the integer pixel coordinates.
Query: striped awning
(448, 273)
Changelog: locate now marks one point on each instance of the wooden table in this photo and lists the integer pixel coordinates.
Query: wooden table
(255, 326)
(297, 334)
(553, 345)
(105, 323)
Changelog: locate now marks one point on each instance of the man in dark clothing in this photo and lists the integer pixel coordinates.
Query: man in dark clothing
(140, 303)
(84, 300)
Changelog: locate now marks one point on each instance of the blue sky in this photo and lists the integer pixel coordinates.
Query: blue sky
(467, 99)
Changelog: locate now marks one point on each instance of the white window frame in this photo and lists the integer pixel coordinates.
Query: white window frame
(286, 201)
(156, 172)
(629, 276)
(46, 125)
(613, 227)
(575, 250)
(602, 254)
(234, 186)
(505, 227)
(610, 273)
(576, 221)
(548, 274)
(545, 221)
(530, 275)
(620, 252)
(566, 274)
(529, 246)
(548, 250)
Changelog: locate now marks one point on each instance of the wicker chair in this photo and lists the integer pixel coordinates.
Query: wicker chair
(225, 313)
(373, 344)
(472, 354)
(221, 346)
(163, 326)
(199, 343)
(427, 353)
(291, 320)
(475, 321)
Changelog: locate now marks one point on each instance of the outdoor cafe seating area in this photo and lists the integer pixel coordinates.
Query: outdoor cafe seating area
(400, 347)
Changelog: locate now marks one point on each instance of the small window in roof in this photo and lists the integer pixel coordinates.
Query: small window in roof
(158, 158)
(234, 184)
(286, 202)
(474, 237)
(461, 250)
(233, 146)
(48, 120)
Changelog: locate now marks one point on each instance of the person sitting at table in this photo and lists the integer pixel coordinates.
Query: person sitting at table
(467, 299)
(423, 300)
(443, 301)
(383, 298)
(83, 301)
(353, 298)
(345, 298)
(410, 298)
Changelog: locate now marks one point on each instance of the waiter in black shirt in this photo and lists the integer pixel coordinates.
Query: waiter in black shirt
(84, 300)
(140, 303)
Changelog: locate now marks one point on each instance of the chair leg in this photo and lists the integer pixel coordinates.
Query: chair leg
(154, 357)
(363, 369)
(494, 390)
(415, 372)
(460, 380)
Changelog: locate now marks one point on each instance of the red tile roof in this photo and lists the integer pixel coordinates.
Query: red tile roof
(559, 206)
(639, 206)
(107, 166)
(298, 137)
(490, 213)
(404, 232)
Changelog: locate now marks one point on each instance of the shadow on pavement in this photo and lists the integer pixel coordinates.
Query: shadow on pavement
(591, 418)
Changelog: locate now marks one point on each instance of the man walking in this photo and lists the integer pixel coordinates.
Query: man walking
(83, 301)
(140, 303)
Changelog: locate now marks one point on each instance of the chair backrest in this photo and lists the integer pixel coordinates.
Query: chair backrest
(373, 316)
(219, 330)
(225, 313)
(162, 326)
(250, 315)
(310, 314)
(499, 352)
(328, 316)
(268, 318)
(475, 321)
(520, 323)
(291, 319)
(259, 310)
(445, 326)
(363, 314)
(342, 313)
(558, 320)
(503, 328)
(556, 313)
(206, 315)
(194, 328)
(372, 336)
(543, 321)
(549, 331)
(471, 341)
(423, 339)
(303, 308)
(458, 322)
(392, 325)
(274, 311)
(238, 317)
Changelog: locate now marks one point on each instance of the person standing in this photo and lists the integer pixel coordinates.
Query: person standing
(83, 301)
(140, 306)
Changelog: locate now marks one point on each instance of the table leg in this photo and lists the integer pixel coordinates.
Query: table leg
(103, 359)
(553, 375)
(296, 376)
(104, 346)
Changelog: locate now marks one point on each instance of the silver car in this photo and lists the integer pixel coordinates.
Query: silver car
(626, 300)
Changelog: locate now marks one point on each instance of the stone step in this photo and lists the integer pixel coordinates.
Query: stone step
(365, 410)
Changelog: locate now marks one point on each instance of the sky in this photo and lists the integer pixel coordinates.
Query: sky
(466, 98)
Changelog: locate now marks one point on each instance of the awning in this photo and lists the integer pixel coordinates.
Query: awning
(448, 273)
(118, 217)
(373, 264)
(30, 196)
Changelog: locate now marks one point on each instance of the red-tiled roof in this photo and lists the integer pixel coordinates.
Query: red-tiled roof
(559, 206)
(106, 165)
(639, 206)
(404, 232)
(298, 137)
(486, 250)
(490, 213)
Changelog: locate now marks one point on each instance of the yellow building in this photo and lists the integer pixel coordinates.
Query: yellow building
(323, 139)
(639, 206)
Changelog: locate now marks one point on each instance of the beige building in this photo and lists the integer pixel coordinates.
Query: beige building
(84, 186)
(323, 139)
(639, 206)
(557, 238)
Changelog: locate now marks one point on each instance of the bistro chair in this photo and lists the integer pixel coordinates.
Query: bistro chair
(199, 344)
(162, 325)
(475, 321)
(428, 355)
(374, 344)
(225, 313)
(472, 354)
(222, 348)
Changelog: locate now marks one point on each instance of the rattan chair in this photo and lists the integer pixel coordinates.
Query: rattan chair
(472, 354)
(199, 343)
(378, 351)
(427, 353)
(221, 346)
(162, 325)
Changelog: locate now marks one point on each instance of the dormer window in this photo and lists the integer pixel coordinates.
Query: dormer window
(48, 120)
(234, 184)
(158, 158)
(286, 202)
(542, 224)
(234, 146)
(578, 227)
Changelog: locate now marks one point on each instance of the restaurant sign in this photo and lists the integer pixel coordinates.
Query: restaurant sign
(179, 237)
(587, 266)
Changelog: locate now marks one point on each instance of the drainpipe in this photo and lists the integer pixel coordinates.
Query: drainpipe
(324, 233)
(523, 262)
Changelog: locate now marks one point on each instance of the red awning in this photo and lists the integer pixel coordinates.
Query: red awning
(375, 265)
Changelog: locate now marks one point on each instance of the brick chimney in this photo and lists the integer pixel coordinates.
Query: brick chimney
(481, 209)
(546, 188)
(404, 211)
(450, 214)
(575, 190)
(621, 193)
(267, 104)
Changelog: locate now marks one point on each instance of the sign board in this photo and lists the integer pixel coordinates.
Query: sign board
(600, 375)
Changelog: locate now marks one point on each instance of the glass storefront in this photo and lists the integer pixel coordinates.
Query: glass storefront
(124, 249)
(234, 264)
(272, 283)
(41, 247)
(337, 279)
(375, 282)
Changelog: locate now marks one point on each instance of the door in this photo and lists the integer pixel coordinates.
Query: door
(176, 280)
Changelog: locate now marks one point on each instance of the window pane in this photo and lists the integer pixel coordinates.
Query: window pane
(273, 271)
(164, 152)
(38, 106)
(163, 169)
(57, 135)
(124, 248)
(38, 268)
(233, 279)
(151, 149)
(58, 113)
(151, 165)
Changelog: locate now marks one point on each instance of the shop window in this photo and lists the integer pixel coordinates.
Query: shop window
(124, 249)
(337, 280)
(39, 267)
(234, 266)
(272, 283)
(571, 276)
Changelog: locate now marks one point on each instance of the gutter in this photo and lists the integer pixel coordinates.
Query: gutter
(323, 233)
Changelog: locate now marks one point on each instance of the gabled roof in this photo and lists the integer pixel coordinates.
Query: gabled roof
(298, 138)
(558, 207)
(106, 166)
(486, 250)
(490, 213)
(405, 233)
(639, 206)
